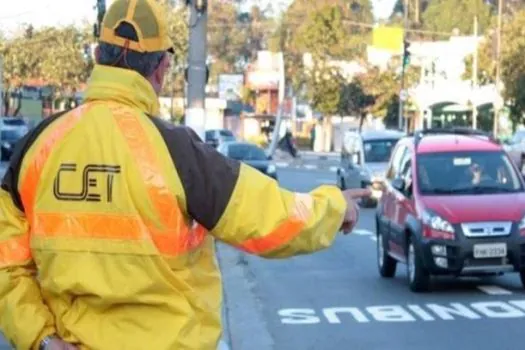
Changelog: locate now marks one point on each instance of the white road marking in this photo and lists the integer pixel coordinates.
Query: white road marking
(310, 166)
(431, 312)
(373, 238)
(362, 232)
(494, 290)
(333, 169)
(282, 164)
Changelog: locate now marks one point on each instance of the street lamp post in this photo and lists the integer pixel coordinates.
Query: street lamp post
(402, 91)
(475, 75)
(498, 66)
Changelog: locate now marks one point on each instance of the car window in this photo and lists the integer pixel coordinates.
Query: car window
(246, 152)
(209, 135)
(14, 122)
(226, 133)
(378, 151)
(395, 163)
(467, 173)
(518, 137)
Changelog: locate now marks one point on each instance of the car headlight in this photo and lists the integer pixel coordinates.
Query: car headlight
(271, 169)
(436, 222)
(6, 145)
(522, 223)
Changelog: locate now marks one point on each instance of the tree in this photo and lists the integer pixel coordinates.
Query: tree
(324, 88)
(448, 15)
(513, 65)
(324, 27)
(226, 40)
(178, 29)
(486, 62)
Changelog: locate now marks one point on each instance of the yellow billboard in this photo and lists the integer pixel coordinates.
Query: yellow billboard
(388, 38)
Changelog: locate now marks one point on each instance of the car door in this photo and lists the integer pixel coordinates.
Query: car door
(403, 203)
(389, 203)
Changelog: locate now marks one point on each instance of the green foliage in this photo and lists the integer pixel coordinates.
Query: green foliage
(324, 89)
(323, 28)
(354, 99)
(447, 15)
(513, 65)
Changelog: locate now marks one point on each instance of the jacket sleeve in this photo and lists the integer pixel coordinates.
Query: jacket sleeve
(24, 318)
(247, 209)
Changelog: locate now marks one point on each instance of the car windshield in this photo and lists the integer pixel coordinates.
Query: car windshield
(378, 151)
(14, 122)
(246, 152)
(467, 173)
(226, 133)
(11, 135)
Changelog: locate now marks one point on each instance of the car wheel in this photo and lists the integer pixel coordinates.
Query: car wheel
(341, 182)
(522, 277)
(385, 263)
(418, 276)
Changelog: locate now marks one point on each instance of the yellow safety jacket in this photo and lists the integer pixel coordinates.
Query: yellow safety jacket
(108, 219)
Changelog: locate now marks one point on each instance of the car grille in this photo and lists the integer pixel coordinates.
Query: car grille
(487, 229)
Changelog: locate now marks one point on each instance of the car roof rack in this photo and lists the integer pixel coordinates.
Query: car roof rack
(419, 134)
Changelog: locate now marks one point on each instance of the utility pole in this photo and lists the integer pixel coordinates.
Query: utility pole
(101, 12)
(402, 94)
(475, 75)
(2, 86)
(498, 67)
(197, 71)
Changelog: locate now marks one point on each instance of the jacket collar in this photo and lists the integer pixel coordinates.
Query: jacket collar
(123, 86)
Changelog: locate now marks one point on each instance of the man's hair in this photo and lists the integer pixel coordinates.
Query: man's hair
(116, 56)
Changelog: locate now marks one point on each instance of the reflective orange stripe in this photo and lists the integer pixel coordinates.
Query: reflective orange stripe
(175, 233)
(108, 226)
(288, 230)
(15, 250)
(282, 235)
(172, 237)
(34, 170)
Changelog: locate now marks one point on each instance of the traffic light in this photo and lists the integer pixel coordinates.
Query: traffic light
(406, 53)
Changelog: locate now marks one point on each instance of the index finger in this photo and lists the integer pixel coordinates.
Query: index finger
(359, 192)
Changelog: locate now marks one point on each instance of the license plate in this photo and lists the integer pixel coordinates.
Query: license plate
(494, 250)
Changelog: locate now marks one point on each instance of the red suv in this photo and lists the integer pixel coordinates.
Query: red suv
(453, 204)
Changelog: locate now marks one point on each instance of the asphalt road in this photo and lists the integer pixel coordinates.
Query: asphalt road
(335, 299)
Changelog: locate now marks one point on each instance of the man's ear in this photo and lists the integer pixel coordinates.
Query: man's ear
(161, 70)
(97, 53)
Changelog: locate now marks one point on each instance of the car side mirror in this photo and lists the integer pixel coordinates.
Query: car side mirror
(398, 184)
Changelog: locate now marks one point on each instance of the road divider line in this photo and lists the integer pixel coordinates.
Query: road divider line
(362, 232)
(373, 238)
(494, 290)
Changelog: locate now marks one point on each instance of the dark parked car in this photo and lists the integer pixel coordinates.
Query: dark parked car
(216, 137)
(249, 154)
(453, 204)
(11, 130)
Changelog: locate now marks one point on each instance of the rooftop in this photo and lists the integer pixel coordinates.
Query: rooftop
(455, 143)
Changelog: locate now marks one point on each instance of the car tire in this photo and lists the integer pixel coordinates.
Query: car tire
(385, 263)
(418, 277)
(341, 182)
(522, 277)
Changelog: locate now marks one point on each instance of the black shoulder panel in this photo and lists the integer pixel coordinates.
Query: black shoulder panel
(11, 177)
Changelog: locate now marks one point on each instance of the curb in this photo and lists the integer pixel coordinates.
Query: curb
(244, 327)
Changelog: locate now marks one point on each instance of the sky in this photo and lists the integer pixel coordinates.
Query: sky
(13, 13)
